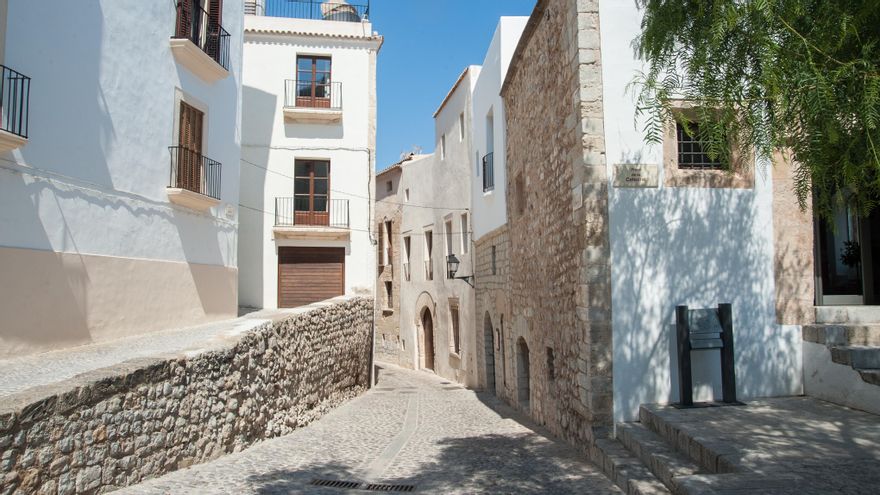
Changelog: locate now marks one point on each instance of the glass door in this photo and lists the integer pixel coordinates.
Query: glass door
(841, 268)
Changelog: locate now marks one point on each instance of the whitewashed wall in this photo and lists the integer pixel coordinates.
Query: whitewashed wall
(693, 246)
(490, 208)
(90, 184)
(270, 146)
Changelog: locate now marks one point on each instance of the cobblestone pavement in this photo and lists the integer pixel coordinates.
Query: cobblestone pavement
(413, 428)
(26, 372)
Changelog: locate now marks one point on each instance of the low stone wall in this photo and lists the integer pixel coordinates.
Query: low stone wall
(141, 419)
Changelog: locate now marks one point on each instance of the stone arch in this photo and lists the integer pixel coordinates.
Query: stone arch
(426, 331)
(523, 385)
(489, 351)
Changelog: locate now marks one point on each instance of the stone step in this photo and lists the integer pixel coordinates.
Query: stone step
(625, 469)
(859, 357)
(709, 456)
(848, 314)
(870, 376)
(660, 457)
(854, 334)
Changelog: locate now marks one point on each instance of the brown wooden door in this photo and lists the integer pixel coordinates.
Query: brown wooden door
(311, 194)
(307, 275)
(189, 152)
(428, 330)
(313, 82)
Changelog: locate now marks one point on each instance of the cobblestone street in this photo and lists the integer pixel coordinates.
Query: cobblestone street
(413, 428)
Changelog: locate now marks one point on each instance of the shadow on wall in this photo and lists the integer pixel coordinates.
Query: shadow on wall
(697, 247)
(256, 126)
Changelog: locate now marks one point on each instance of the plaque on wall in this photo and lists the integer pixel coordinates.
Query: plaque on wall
(638, 175)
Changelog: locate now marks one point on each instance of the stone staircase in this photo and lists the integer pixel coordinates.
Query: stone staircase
(855, 345)
(655, 456)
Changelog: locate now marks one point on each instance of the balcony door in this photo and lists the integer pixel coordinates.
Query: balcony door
(189, 151)
(313, 82)
(848, 248)
(311, 195)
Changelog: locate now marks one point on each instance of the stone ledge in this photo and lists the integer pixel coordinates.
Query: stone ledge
(120, 425)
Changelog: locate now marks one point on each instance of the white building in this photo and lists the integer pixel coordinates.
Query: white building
(308, 148)
(119, 168)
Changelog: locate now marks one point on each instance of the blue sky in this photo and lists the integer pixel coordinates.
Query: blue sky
(427, 45)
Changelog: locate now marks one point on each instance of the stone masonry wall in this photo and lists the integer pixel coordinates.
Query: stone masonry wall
(558, 222)
(141, 419)
(492, 291)
(387, 346)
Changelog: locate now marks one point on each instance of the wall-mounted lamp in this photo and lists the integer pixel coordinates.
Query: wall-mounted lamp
(452, 264)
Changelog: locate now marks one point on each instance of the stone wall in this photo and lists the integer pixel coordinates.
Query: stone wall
(793, 249)
(558, 222)
(388, 345)
(141, 419)
(492, 307)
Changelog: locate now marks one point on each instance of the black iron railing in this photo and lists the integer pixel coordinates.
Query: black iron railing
(309, 9)
(203, 29)
(194, 172)
(310, 94)
(332, 213)
(15, 92)
(488, 172)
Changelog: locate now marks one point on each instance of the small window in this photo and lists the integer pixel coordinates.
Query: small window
(461, 127)
(443, 147)
(551, 364)
(520, 188)
(389, 186)
(455, 343)
(429, 253)
(494, 259)
(389, 303)
(692, 149)
(388, 243)
(465, 237)
(406, 196)
(406, 252)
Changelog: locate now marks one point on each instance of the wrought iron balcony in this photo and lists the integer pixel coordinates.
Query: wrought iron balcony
(193, 172)
(488, 172)
(297, 212)
(204, 30)
(338, 10)
(311, 94)
(15, 89)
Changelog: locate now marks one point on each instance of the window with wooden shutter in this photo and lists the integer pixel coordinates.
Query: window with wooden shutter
(215, 17)
(189, 157)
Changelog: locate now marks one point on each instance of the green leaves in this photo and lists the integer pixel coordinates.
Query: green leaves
(798, 75)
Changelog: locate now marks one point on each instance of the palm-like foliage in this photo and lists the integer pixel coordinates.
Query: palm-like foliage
(797, 75)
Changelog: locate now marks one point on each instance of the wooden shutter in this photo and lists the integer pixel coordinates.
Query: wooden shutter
(184, 19)
(307, 275)
(189, 159)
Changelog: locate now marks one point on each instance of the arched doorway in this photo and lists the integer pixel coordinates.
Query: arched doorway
(522, 374)
(489, 345)
(427, 340)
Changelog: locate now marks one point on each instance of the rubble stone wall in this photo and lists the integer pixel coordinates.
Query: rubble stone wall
(121, 425)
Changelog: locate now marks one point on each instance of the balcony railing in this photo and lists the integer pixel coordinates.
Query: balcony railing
(429, 270)
(194, 172)
(488, 172)
(309, 94)
(334, 214)
(204, 30)
(15, 91)
(406, 271)
(309, 9)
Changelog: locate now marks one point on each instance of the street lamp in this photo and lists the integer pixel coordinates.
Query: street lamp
(452, 265)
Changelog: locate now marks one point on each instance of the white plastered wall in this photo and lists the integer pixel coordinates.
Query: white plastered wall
(692, 246)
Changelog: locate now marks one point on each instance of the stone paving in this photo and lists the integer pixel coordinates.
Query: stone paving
(789, 445)
(26, 372)
(413, 428)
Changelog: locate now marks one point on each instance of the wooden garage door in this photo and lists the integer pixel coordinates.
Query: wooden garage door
(307, 275)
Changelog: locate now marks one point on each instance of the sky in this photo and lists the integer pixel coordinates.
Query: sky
(427, 45)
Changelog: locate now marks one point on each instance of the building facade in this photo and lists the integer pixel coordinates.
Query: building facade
(390, 270)
(119, 169)
(308, 148)
(489, 203)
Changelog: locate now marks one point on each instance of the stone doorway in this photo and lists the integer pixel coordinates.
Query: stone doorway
(523, 389)
(427, 340)
(489, 346)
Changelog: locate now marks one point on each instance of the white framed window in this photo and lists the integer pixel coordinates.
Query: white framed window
(443, 147)
(454, 327)
(448, 227)
(465, 235)
(429, 255)
(406, 196)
